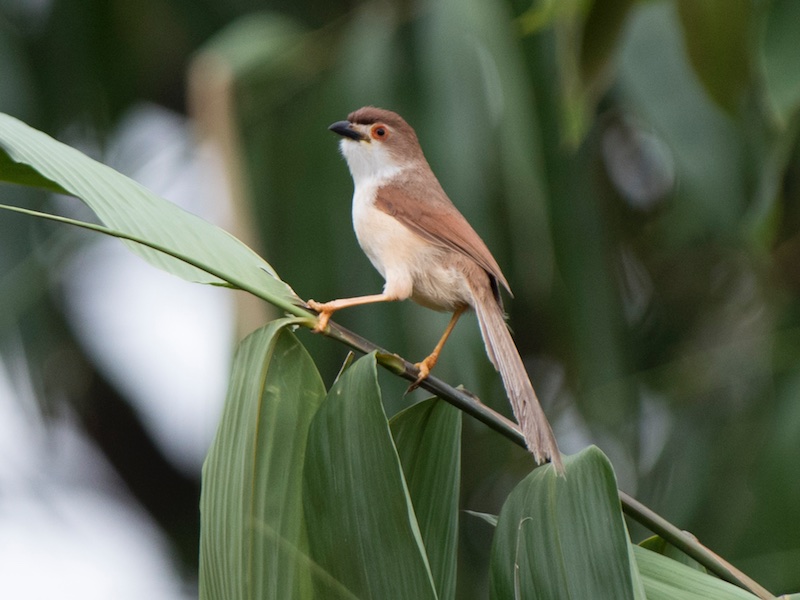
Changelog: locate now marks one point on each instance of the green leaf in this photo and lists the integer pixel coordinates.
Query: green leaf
(428, 440)
(20, 174)
(716, 33)
(563, 537)
(667, 579)
(358, 510)
(125, 206)
(780, 47)
(253, 539)
(661, 546)
(133, 239)
(489, 518)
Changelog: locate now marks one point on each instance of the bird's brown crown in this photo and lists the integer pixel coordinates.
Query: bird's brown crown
(403, 138)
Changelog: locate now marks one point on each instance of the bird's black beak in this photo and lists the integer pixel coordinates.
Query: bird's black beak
(344, 129)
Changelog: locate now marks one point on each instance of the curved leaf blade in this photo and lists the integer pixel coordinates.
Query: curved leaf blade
(661, 546)
(145, 244)
(253, 538)
(485, 517)
(667, 579)
(21, 174)
(126, 206)
(564, 537)
(357, 504)
(428, 440)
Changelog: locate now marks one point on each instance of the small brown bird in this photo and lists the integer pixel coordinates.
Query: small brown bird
(427, 251)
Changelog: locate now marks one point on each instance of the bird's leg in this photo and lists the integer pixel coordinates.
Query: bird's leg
(326, 309)
(430, 361)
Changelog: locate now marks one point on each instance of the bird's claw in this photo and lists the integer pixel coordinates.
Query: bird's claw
(424, 371)
(324, 315)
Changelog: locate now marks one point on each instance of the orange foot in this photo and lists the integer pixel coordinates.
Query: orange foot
(324, 315)
(425, 368)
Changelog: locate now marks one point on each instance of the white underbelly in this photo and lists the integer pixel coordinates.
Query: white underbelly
(411, 266)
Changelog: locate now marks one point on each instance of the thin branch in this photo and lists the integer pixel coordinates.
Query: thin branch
(687, 543)
(471, 405)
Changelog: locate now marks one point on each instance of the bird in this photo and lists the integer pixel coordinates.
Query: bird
(425, 250)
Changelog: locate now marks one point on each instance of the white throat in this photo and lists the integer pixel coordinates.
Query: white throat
(369, 162)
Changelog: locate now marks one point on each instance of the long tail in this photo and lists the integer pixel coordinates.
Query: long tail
(506, 359)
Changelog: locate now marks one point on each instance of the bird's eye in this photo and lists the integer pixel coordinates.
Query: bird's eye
(379, 132)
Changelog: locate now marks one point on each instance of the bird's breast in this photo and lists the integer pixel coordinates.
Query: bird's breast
(412, 266)
(386, 241)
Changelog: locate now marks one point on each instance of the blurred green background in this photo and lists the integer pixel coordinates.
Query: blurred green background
(634, 167)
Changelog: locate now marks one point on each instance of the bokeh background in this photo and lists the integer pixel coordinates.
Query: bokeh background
(634, 167)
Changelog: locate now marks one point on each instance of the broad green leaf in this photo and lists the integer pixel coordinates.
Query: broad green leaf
(124, 205)
(563, 537)
(667, 579)
(128, 237)
(253, 539)
(361, 523)
(21, 174)
(661, 546)
(428, 440)
(780, 47)
(716, 34)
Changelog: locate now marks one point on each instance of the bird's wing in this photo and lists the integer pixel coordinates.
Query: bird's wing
(427, 211)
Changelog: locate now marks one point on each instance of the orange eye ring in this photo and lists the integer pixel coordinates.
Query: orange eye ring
(379, 131)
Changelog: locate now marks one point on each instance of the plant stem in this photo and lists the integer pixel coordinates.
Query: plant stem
(687, 543)
(471, 405)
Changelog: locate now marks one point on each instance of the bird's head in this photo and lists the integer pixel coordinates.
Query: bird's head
(377, 143)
